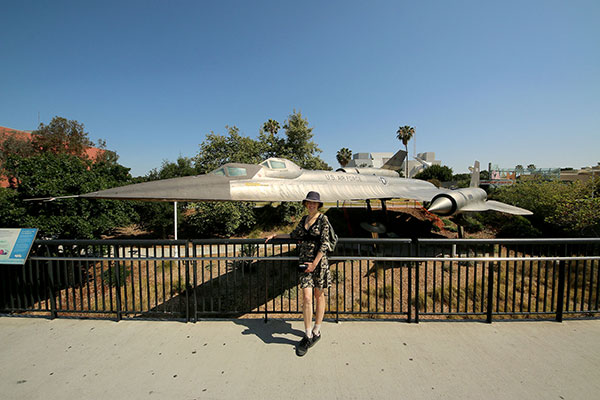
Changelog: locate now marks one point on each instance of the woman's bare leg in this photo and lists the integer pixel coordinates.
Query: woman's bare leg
(320, 311)
(307, 295)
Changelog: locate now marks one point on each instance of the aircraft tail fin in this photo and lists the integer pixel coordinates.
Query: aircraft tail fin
(475, 175)
(396, 161)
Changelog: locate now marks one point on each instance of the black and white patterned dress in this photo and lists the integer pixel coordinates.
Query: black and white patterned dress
(311, 241)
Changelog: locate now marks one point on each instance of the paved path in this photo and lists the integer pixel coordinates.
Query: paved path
(248, 359)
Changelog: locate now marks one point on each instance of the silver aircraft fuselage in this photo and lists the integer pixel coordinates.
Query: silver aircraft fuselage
(277, 179)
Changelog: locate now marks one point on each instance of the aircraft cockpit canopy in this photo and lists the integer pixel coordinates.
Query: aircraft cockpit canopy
(230, 171)
(280, 168)
(274, 164)
(239, 171)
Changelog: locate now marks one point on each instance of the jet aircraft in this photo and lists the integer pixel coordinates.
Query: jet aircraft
(279, 179)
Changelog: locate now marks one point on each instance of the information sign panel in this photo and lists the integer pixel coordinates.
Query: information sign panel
(15, 244)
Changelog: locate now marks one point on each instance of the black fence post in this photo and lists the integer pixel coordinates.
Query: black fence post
(118, 278)
(409, 310)
(415, 266)
(266, 291)
(490, 293)
(187, 281)
(560, 297)
(51, 288)
(51, 292)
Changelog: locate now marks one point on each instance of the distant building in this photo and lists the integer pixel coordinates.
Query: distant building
(377, 160)
(584, 174)
(5, 133)
(372, 160)
(507, 176)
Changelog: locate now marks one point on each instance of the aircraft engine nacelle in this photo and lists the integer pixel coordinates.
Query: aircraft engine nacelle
(455, 201)
(369, 171)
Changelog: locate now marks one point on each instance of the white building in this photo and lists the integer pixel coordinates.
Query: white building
(376, 160)
(366, 160)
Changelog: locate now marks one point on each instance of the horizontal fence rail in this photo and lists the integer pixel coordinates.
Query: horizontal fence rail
(371, 278)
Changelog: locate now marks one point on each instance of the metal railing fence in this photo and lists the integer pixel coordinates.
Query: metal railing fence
(371, 278)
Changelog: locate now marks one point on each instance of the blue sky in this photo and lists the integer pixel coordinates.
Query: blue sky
(511, 82)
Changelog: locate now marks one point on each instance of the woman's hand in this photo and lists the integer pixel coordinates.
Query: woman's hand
(311, 266)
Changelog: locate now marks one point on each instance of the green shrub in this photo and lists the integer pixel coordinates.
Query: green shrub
(225, 219)
(471, 223)
(518, 227)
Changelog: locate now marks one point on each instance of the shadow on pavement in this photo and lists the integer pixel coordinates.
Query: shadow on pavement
(266, 331)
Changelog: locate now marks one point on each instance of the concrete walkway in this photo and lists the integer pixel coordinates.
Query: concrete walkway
(248, 359)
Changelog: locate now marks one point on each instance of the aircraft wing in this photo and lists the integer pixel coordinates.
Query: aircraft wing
(492, 205)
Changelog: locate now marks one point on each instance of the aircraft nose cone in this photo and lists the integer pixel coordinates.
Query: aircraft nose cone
(441, 205)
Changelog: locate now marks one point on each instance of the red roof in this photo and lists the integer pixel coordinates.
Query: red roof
(22, 135)
(91, 152)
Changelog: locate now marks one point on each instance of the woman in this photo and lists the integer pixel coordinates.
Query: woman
(313, 235)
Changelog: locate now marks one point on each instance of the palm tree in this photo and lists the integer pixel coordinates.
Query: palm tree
(404, 134)
(344, 156)
(531, 167)
(272, 127)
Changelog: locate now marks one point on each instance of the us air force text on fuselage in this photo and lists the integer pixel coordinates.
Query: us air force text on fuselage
(346, 178)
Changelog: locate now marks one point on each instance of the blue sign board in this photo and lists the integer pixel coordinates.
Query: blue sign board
(15, 245)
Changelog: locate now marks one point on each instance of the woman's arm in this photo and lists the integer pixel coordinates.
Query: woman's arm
(295, 234)
(310, 267)
(274, 236)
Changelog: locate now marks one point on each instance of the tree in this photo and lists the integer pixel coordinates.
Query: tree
(344, 156)
(51, 174)
(440, 172)
(462, 180)
(519, 168)
(12, 211)
(271, 126)
(273, 145)
(559, 208)
(105, 155)
(13, 149)
(184, 166)
(531, 167)
(61, 136)
(299, 146)
(218, 219)
(217, 150)
(404, 134)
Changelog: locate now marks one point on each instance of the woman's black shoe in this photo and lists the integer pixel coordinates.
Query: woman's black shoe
(314, 339)
(303, 346)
